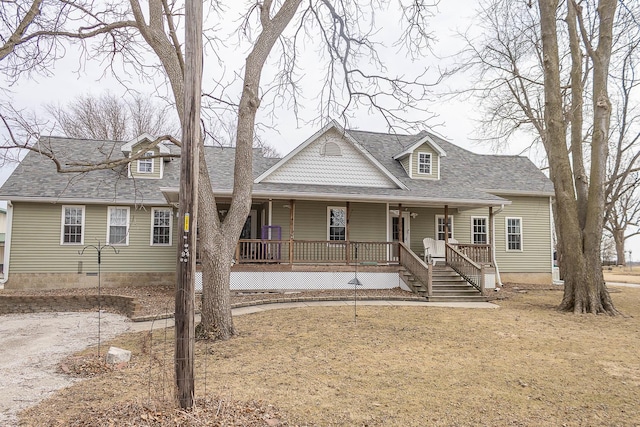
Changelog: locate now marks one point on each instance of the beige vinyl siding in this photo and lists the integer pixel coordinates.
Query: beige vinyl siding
(367, 221)
(281, 216)
(424, 225)
(405, 164)
(535, 213)
(435, 162)
(157, 163)
(36, 248)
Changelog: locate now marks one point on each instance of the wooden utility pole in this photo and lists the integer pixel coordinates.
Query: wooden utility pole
(185, 295)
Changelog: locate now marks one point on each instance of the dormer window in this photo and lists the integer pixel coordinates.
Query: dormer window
(424, 163)
(145, 164)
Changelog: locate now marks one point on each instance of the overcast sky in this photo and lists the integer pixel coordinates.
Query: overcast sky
(455, 119)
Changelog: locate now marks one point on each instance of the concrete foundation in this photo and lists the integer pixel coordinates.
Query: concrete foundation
(527, 278)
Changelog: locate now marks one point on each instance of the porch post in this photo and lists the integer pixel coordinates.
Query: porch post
(491, 232)
(292, 212)
(347, 235)
(446, 233)
(400, 227)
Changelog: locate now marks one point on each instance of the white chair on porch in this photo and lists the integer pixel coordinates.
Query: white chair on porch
(434, 250)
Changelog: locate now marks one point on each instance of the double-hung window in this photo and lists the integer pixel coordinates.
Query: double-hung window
(440, 227)
(514, 234)
(424, 163)
(145, 164)
(161, 226)
(118, 226)
(336, 223)
(479, 230)
(72, 225)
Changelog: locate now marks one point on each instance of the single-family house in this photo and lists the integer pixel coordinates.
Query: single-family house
(386, 207)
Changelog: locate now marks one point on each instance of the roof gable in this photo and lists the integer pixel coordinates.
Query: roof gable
(144, 138)
(426, 139)
(330, 157)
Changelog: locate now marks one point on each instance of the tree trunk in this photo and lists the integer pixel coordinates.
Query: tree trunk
(584, 289)
(216, 322)
(218, 240)
(618, 239)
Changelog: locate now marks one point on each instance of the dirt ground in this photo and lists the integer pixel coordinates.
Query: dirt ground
(32, 346)
(522, 365)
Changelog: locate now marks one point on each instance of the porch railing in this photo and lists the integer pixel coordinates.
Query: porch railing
(414, 265)
(480, 254)
(465, 267)
(315, 252)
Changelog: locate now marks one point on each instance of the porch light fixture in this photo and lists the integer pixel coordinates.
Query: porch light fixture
(414, 215)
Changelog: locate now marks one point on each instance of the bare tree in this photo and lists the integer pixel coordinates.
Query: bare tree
(550, 84)
(622, 216)
(355, 77)
(223, 134)
(109, 117)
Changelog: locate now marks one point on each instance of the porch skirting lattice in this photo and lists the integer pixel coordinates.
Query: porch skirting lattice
(307, 280)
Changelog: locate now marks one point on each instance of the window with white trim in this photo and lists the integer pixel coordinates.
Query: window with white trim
(336, 223)
(72, 225)
(424, 163)
(117, 225)
(479, 230)
(514, 234)
(145, 164)
(161, 226)
(440, 227)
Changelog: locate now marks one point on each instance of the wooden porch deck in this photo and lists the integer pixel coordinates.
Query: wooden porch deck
(466, 262)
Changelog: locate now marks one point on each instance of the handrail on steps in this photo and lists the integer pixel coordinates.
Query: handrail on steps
(465, 267)
(416, 266)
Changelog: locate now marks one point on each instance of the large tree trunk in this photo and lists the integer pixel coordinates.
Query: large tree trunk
(216, 322)
(218, 240)
(585, 290)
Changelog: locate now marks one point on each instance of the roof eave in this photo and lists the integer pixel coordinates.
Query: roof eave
(531, 193)
(82, 201)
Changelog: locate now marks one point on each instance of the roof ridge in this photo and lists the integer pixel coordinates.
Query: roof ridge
(382, 133)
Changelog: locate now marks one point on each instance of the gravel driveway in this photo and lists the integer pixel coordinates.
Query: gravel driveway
(31, 346)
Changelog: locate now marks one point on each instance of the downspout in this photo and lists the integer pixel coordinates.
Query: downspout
(493, 245)
(7, 244)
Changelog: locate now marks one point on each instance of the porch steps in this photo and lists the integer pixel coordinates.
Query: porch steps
(447, 286)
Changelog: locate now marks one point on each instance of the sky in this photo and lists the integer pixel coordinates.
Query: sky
(455, 118)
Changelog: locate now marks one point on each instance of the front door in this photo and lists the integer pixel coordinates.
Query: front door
(394, 230)
(249, 231)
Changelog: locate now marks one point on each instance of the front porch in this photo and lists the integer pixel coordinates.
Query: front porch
(290, 244)
(298, 264)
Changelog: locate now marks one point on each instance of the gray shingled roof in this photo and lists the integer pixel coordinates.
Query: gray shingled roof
(460, 169)
(465, 176)
(36, 177)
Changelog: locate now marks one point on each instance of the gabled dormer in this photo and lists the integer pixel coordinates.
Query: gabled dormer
(422, 160)
(149, 166)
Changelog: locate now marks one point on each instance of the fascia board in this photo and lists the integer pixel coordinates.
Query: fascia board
(499, 192)
(88, 201)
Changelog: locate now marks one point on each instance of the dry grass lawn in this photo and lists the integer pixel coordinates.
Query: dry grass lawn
(524, 364)
(629, 274)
